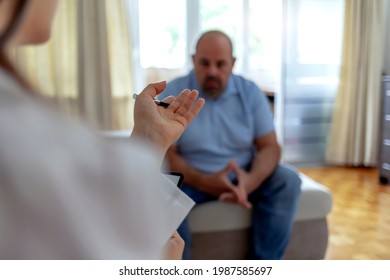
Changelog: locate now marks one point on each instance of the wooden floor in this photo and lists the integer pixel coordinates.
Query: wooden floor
(359, 223)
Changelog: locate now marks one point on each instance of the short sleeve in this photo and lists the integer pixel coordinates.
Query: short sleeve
(263, 116)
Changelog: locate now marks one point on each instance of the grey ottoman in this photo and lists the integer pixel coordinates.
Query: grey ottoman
(221, 230)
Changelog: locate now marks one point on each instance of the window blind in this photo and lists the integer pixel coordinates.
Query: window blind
(312, 44)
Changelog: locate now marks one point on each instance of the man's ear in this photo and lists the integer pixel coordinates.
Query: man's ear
(193, 59)
(234, 60)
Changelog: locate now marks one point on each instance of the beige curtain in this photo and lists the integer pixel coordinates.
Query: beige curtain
(87, 64)
(121, 65)
(52, 67)
(355, 127)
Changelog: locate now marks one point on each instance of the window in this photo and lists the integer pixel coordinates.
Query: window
(224, 15)
(162, 33)
(167, 34)
(288, 47)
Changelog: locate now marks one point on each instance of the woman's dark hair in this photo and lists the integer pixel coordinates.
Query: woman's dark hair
(9, 30)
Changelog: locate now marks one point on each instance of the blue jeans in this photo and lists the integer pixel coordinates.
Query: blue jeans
(274, 205)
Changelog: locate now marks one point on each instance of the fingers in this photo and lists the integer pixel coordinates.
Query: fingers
(235, 167)
(184, 104)
(228, 168)
(168, 99)
(247, 204)
(174, 247)
(194, 111)
(184, 101)
(233, 198)
(226, 197)
(176, 238)
(154, 89)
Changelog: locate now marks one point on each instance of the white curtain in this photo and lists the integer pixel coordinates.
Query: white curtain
(355, 127)
(312, 46)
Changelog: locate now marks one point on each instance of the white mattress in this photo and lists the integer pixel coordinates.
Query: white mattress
(315, 202)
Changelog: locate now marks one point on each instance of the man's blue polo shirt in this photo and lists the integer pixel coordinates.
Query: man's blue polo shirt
(225, 128)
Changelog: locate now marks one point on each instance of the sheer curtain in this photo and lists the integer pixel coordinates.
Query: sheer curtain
(86, 66)
(312, 43)
(355, 127)
(52, 67)
(121, 65)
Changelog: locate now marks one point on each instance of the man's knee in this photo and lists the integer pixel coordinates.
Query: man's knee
(289, 175)
(289, 179)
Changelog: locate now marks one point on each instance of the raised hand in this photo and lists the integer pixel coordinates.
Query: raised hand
(163, 126)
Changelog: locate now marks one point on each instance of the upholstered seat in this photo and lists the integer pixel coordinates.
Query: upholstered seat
(221, 230)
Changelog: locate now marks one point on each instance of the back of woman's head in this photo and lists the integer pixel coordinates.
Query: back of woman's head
(15, 10)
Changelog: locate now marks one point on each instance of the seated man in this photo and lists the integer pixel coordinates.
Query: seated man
(230, 151)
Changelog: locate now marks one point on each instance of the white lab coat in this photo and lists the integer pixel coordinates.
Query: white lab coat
(67, 194)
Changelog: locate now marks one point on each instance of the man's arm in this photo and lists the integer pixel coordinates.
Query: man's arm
(265, 161)
(214, 183)
(178, 164)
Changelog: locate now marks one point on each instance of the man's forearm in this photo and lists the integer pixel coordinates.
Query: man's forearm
(263, 165)
(191, 175)
(212, 183)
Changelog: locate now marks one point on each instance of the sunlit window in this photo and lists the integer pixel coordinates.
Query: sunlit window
(168, 30)
(162, 33)
(290, 48)
(226, 15)
(319, 43)
(265, 43)
(167, 33)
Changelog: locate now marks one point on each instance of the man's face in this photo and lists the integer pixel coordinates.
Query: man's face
(213, 64)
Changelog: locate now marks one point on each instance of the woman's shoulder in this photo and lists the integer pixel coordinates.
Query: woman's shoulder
(34, 134)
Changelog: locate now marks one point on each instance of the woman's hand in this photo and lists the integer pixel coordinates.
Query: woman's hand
(173, 249)
(163, 126)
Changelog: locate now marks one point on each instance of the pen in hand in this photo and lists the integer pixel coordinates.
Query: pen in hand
(158, 102)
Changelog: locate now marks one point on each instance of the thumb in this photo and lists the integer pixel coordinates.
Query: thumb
(226, 197)
(237, 170)
(228, 167)
(154, 89)
(234, 165)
